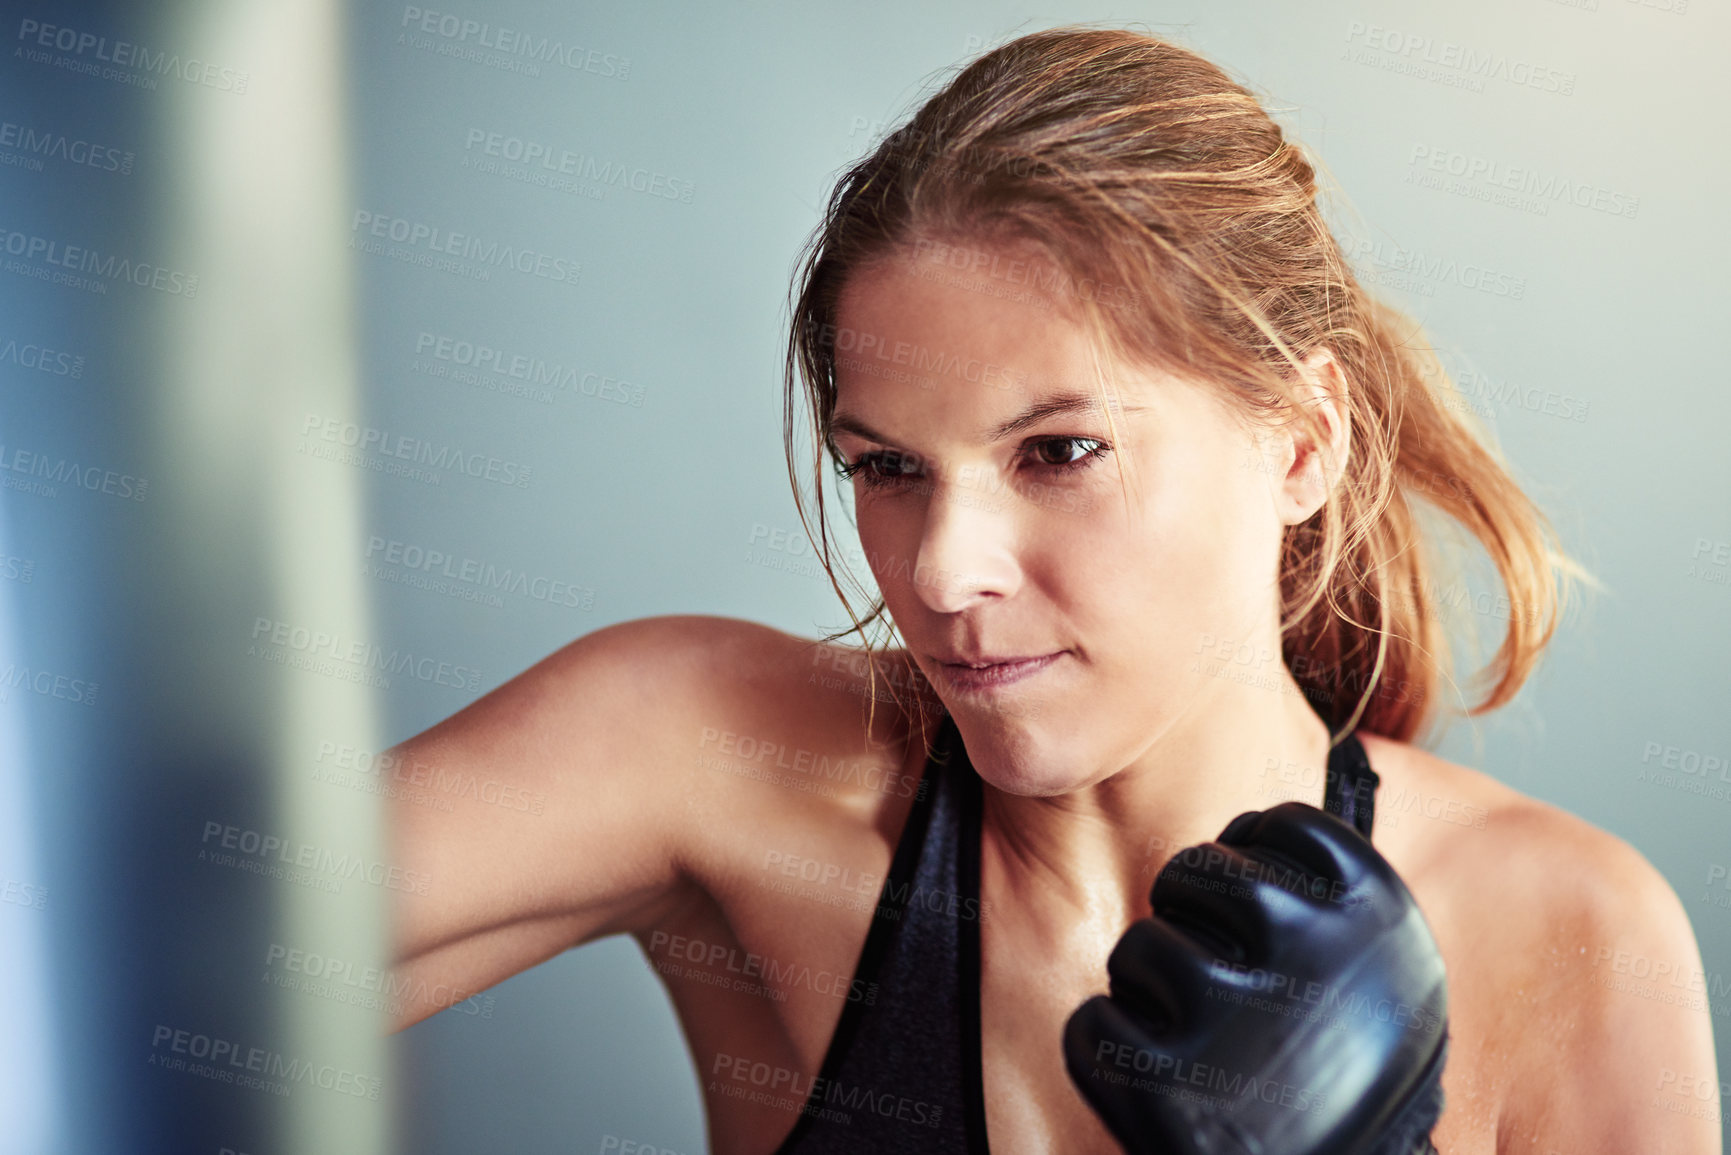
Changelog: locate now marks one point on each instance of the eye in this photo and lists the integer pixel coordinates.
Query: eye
(882, 467)
(897, 468)
(1064, 453)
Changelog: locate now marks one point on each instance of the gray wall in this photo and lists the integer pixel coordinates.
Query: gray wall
(653, 466)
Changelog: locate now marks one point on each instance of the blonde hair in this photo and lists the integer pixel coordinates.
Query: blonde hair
(1188, 235)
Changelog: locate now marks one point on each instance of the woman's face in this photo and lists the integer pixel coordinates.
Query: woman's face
(1069, 586)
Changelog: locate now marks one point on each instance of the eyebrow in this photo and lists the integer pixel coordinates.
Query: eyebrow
(1034, 414)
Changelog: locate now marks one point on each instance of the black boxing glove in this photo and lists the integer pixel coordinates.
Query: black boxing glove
(1286, 998)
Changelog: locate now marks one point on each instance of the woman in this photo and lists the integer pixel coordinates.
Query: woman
(1147, 483)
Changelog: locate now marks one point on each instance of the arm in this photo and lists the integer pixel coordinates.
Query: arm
(1629, 1063)
(567, 789)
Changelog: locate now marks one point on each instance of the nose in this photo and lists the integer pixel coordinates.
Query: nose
(967, 552)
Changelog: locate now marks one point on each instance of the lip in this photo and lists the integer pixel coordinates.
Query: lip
(991, 673)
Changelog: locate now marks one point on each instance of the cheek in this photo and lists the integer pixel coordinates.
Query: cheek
(889, 533)
(1196, 554)
(1223, 511)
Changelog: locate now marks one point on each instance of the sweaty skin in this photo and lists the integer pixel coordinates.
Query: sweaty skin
(1106, 636)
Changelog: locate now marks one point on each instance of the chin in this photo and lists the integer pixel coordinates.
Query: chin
(1017, 754)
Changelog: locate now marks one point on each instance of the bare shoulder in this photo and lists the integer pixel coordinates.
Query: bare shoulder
(640, 743)
(625, 783)
(1433, 812)
(1435, 815)
(692, 652)
(623, 706)
(755, 730)
(699, 673)
(1576, 984)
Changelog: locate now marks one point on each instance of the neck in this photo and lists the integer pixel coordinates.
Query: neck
(1097, 849)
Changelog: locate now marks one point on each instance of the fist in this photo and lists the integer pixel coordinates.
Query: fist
(1286, 997)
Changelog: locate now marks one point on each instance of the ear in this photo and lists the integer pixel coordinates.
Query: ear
(1310, 462)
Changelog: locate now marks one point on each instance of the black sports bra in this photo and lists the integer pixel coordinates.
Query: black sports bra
(902, 1074)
